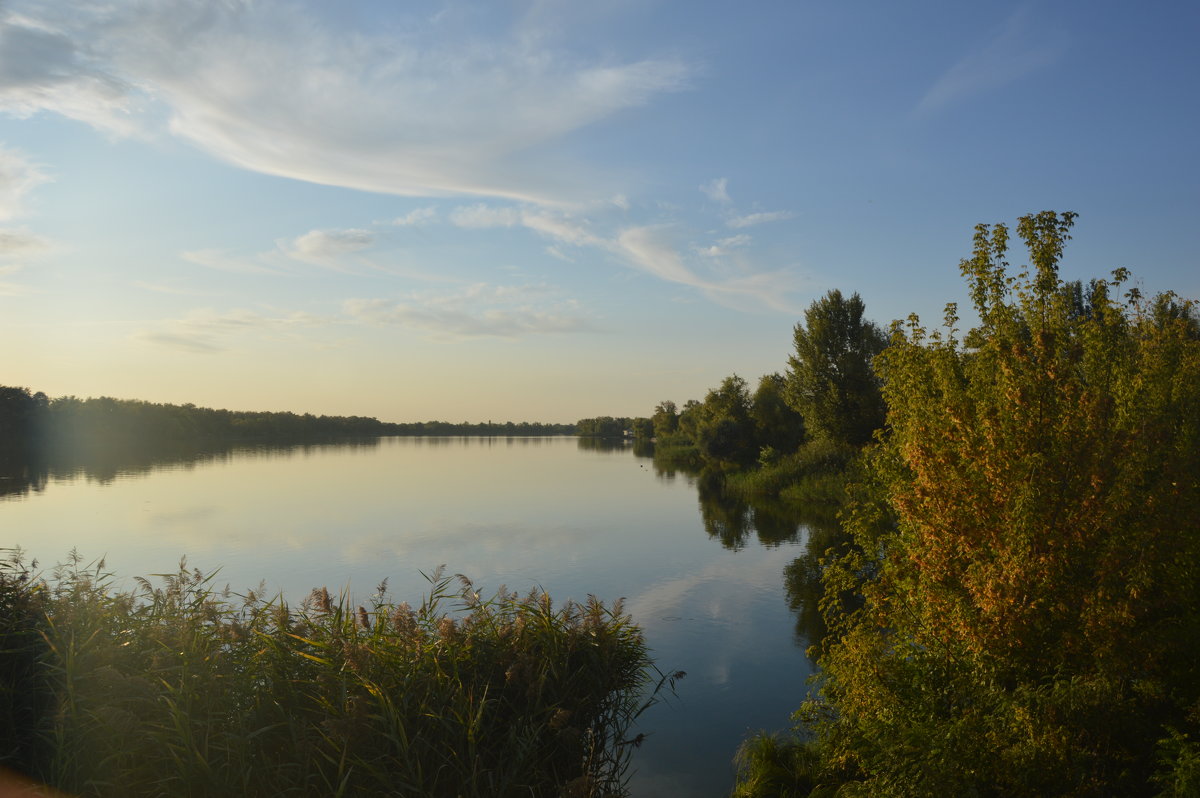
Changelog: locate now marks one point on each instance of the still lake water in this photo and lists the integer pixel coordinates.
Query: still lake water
(551, 512)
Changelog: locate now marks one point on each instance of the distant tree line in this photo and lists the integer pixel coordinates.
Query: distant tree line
(32, 422)
(605, 427)
(485, 428)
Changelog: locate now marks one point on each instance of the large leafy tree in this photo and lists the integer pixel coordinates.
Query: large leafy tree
(777, 424)
(665, 419)
(830, 380)
(1028, 619)
(725, 433)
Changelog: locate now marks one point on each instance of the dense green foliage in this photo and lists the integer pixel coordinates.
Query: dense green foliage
(794, 436)
(830, 379)
(181, 690)
(1020, 613)
(604, 427)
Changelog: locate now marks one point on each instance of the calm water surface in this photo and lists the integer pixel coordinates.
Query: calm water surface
(520, 512)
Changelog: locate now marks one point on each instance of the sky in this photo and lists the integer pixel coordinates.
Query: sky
(548, 210)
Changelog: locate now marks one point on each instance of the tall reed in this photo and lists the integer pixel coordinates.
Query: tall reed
(177, 688)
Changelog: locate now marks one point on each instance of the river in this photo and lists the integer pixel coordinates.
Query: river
(703, 578)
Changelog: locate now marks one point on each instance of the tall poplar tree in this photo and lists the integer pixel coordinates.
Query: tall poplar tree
(830, 380)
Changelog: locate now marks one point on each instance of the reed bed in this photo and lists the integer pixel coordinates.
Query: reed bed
(176, 688)
(816, 474)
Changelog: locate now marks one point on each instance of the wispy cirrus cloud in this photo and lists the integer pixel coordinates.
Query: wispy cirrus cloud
(194, 342)
(1020, 47)
(761, 217)
(207, 331)
(480, 216)
(651, 249)
(328, 247)
(418, 217)
(9, 288)
(159, 288)
(20, 242)
(425, 107)
(221, 260)
(724, 246)
(717, 190)
(558, 227)
(18, 177)
(476, 311)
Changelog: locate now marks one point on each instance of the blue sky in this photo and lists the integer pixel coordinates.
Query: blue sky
(546, 210)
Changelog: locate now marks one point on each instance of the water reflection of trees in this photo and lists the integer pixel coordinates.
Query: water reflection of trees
(802, 576)
(735, 522)
(22, 473)
(593, 444)
(486, 441)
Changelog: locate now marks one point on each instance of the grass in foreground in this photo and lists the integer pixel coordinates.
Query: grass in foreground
(179, 689)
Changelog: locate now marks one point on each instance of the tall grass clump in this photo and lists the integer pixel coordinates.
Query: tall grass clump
(175, 688)
(815, 474)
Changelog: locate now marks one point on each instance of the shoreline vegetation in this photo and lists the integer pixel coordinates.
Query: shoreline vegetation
(181, 689)
(1000, 589)
(1010, 599)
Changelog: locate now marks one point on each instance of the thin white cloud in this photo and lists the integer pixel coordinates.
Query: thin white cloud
(21, 243)
(220, 260)
(717, 190)
(11, 289)
(328, 247)
(561, 228)
(18, 245)
(481, 216)
(205, 330)
(650, 249)
(199, 344)
(1019, 48)
(724, 246)
(751, 219)
(418, 217)
(422, 108)
(647, 248)
(476, 311)
(18, 177)
(159, 288)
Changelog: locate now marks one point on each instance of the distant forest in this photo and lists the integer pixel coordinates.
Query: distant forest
(33, 422)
